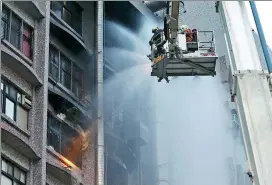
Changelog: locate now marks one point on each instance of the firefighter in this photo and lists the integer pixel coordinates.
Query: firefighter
(156, 52)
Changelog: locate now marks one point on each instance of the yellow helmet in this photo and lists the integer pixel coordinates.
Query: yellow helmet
(155, 29)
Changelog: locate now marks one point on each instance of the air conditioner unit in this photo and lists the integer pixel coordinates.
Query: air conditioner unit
(26, 102)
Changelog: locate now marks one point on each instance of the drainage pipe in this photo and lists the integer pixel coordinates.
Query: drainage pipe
(99, 71)
(261, 35)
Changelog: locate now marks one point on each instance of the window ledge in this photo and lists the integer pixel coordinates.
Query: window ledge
(15, 125)
(65, 162)
(56, 166)
(66, 25)
(69, 93)
(17, 52)
(33, 8)
(18, 62)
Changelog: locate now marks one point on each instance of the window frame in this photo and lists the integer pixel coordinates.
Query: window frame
(74, 9)
(62, 136)
(73, 65)
(21, 31)
(6, 21)
(12, 177)
(4, 94)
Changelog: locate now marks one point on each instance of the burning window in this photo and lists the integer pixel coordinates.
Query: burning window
(17, 32)
(65, 140)
(14, 104)
(11, 174)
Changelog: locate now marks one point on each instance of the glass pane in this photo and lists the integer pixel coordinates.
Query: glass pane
(15, 34)
(10, 169)
(17, 173)
(9, 109)
(12, 92)
(4, 166)
(5, 23)
(67, 17)
(5, 180)
(66, 72)
(27, 41)
(56, 8)
(23, 177)
(7, 88)
(2, 86)
(54, 63)
(22, 117)
(53, 139)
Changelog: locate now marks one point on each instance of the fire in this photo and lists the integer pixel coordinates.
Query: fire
(66, 162)
(76, 146)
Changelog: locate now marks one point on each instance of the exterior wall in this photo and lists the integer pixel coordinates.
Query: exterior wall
(28, 148)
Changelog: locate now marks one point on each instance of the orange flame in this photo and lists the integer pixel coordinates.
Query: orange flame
(76, 146)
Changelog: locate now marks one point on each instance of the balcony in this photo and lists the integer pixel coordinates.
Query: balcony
(32, 7)
(116, 146)
(17, 46)
(66, 25)
(67, 79)
(135, 129)
(65, 140)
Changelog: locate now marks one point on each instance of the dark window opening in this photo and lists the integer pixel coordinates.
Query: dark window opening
(77, 81)
(65, 140)
(70, 12)
(53, 63)
(65, 71)
(5, 23)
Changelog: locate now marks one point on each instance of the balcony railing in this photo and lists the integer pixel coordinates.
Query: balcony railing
(65, 140)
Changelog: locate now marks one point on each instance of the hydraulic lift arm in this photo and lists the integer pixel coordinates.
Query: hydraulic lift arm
(173, 54)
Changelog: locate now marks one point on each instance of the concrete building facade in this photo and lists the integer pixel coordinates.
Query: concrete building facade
(49, 102)
(47, 84)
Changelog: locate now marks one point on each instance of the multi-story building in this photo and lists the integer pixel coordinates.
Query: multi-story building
(48, 86)
(129, 127)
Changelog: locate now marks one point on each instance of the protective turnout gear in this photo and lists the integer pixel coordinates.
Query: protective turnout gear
(155, 30)
(183, 28)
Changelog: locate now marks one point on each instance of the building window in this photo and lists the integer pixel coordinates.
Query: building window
(5, 23)
(77, 81)
(19, 34)
(11, 174)
(12, 105)
(27, 41)
(54, 63)
(66, 72)
(70, 12)
(64, 139)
